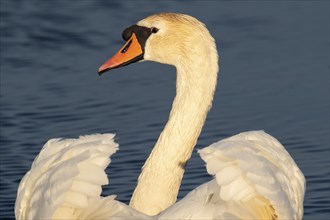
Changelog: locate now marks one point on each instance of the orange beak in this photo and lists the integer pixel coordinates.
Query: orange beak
(131, 52)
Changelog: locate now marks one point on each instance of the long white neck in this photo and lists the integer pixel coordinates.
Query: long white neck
(159, 182)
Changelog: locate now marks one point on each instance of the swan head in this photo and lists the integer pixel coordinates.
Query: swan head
(174, 39)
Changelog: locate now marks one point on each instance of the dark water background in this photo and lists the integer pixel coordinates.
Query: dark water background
(274, 75)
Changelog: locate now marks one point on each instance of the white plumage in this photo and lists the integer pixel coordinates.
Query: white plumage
(65, 178)
(65, 182)
(254, 176)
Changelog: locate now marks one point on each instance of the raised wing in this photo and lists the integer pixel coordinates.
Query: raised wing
(65, 180)
(255, 178)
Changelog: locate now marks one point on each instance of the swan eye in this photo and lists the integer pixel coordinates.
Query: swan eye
(154, 30)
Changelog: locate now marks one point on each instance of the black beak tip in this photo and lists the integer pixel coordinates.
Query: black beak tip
(100, 72)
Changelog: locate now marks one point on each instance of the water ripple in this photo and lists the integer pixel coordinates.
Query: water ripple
(50, 51)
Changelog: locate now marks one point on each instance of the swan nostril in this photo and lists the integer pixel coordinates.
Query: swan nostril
(126, 47)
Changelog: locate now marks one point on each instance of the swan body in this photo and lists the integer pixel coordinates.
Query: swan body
(65, 182)
(254, 176)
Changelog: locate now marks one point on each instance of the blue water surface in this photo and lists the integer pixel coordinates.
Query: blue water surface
(274, 75)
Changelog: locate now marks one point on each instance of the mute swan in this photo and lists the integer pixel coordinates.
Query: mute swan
(254, 176)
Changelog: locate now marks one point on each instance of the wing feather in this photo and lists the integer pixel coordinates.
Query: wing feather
(255, 178)
(65, 176)
(257, 166)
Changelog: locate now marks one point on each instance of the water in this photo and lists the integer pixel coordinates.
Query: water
(274, 59)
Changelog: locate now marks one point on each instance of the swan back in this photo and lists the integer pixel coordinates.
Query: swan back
(255, 178)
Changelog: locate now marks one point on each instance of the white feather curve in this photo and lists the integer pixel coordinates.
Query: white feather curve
(65, 177)
(254, 175)
(252, 170)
